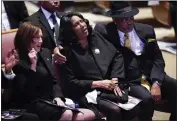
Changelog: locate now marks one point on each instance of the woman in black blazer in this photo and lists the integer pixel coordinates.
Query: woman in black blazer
(92, 69)
(35, 81)
(7, 77)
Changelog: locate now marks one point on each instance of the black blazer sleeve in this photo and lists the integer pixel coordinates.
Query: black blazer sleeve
(117, 66)
(100, 28)
(157, 72)
(4, 81)
(56, 92)
(72, 83)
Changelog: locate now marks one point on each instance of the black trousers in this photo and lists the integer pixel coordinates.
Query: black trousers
(169, 92)
(146, 106)
(112, 111)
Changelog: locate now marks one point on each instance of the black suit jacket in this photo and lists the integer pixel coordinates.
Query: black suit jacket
(48, 36)
(150, 63)
(4, 81)
(79, 74)
(16, 12)
(28, 85)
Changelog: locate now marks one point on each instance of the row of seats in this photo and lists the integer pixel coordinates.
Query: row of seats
(7, 45)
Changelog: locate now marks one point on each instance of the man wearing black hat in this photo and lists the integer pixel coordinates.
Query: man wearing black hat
(143, 59)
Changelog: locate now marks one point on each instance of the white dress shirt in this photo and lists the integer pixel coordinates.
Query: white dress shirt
(136, 44)
(5, 20)
(49, 19)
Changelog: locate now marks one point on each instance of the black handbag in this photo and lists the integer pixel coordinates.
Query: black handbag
(115, 98)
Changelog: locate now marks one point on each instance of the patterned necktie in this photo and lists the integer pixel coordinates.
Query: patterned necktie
(127, 41)
(53, 18)
(56, 28)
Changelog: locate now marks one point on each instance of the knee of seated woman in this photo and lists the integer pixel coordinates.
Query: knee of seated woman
(116, 109)
(68, 113)
(80, 116)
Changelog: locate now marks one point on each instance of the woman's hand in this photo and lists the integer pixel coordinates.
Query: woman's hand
(108, 84)
(11, 60)
(33, 58)
(59, 102)
(105, 84)
(117, 91)
(58, 57)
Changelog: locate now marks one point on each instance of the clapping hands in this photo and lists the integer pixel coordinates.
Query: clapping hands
(11, 60)
(33, 58)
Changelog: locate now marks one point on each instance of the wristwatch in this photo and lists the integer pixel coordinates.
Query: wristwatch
(157, 82)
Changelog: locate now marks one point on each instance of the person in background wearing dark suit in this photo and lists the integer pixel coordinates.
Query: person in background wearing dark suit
(13, 12)
(142, 56)
(35, 80)
(48, 16)
(7, 76)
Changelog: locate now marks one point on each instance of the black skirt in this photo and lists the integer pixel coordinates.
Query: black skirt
(46, 111)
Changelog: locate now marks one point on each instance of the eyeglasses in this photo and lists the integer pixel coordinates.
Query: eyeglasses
(127, 19)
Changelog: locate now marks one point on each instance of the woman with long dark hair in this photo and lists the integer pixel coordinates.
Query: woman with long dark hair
(92, 69)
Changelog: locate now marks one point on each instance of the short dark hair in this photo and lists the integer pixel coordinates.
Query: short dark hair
(67, 34)
(24, 36)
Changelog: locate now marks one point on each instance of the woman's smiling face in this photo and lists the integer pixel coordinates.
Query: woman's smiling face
(37, 42)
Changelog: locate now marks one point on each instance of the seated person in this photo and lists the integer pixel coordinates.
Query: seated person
(35, 79)
(92, 69)
(7, 76)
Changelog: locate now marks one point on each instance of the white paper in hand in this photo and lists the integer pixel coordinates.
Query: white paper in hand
(92, 97)
(132, 102)
(69, 103)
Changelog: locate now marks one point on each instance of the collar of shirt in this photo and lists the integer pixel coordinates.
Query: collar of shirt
(136, 43)
(47, 15)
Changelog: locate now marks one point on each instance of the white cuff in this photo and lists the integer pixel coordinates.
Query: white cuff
(8, 76)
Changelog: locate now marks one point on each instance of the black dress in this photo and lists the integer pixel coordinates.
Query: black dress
(98, 61)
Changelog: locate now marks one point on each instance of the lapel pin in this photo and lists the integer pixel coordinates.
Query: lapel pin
(47, 58)
(97, 51)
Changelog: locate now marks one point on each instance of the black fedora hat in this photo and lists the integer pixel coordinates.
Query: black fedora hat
(121, 9)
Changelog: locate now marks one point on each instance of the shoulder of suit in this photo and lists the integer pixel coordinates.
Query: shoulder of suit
(144, 25)
(104, 40)
(60, 14)
(104, 24)
(33, 16)
(46, 50)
